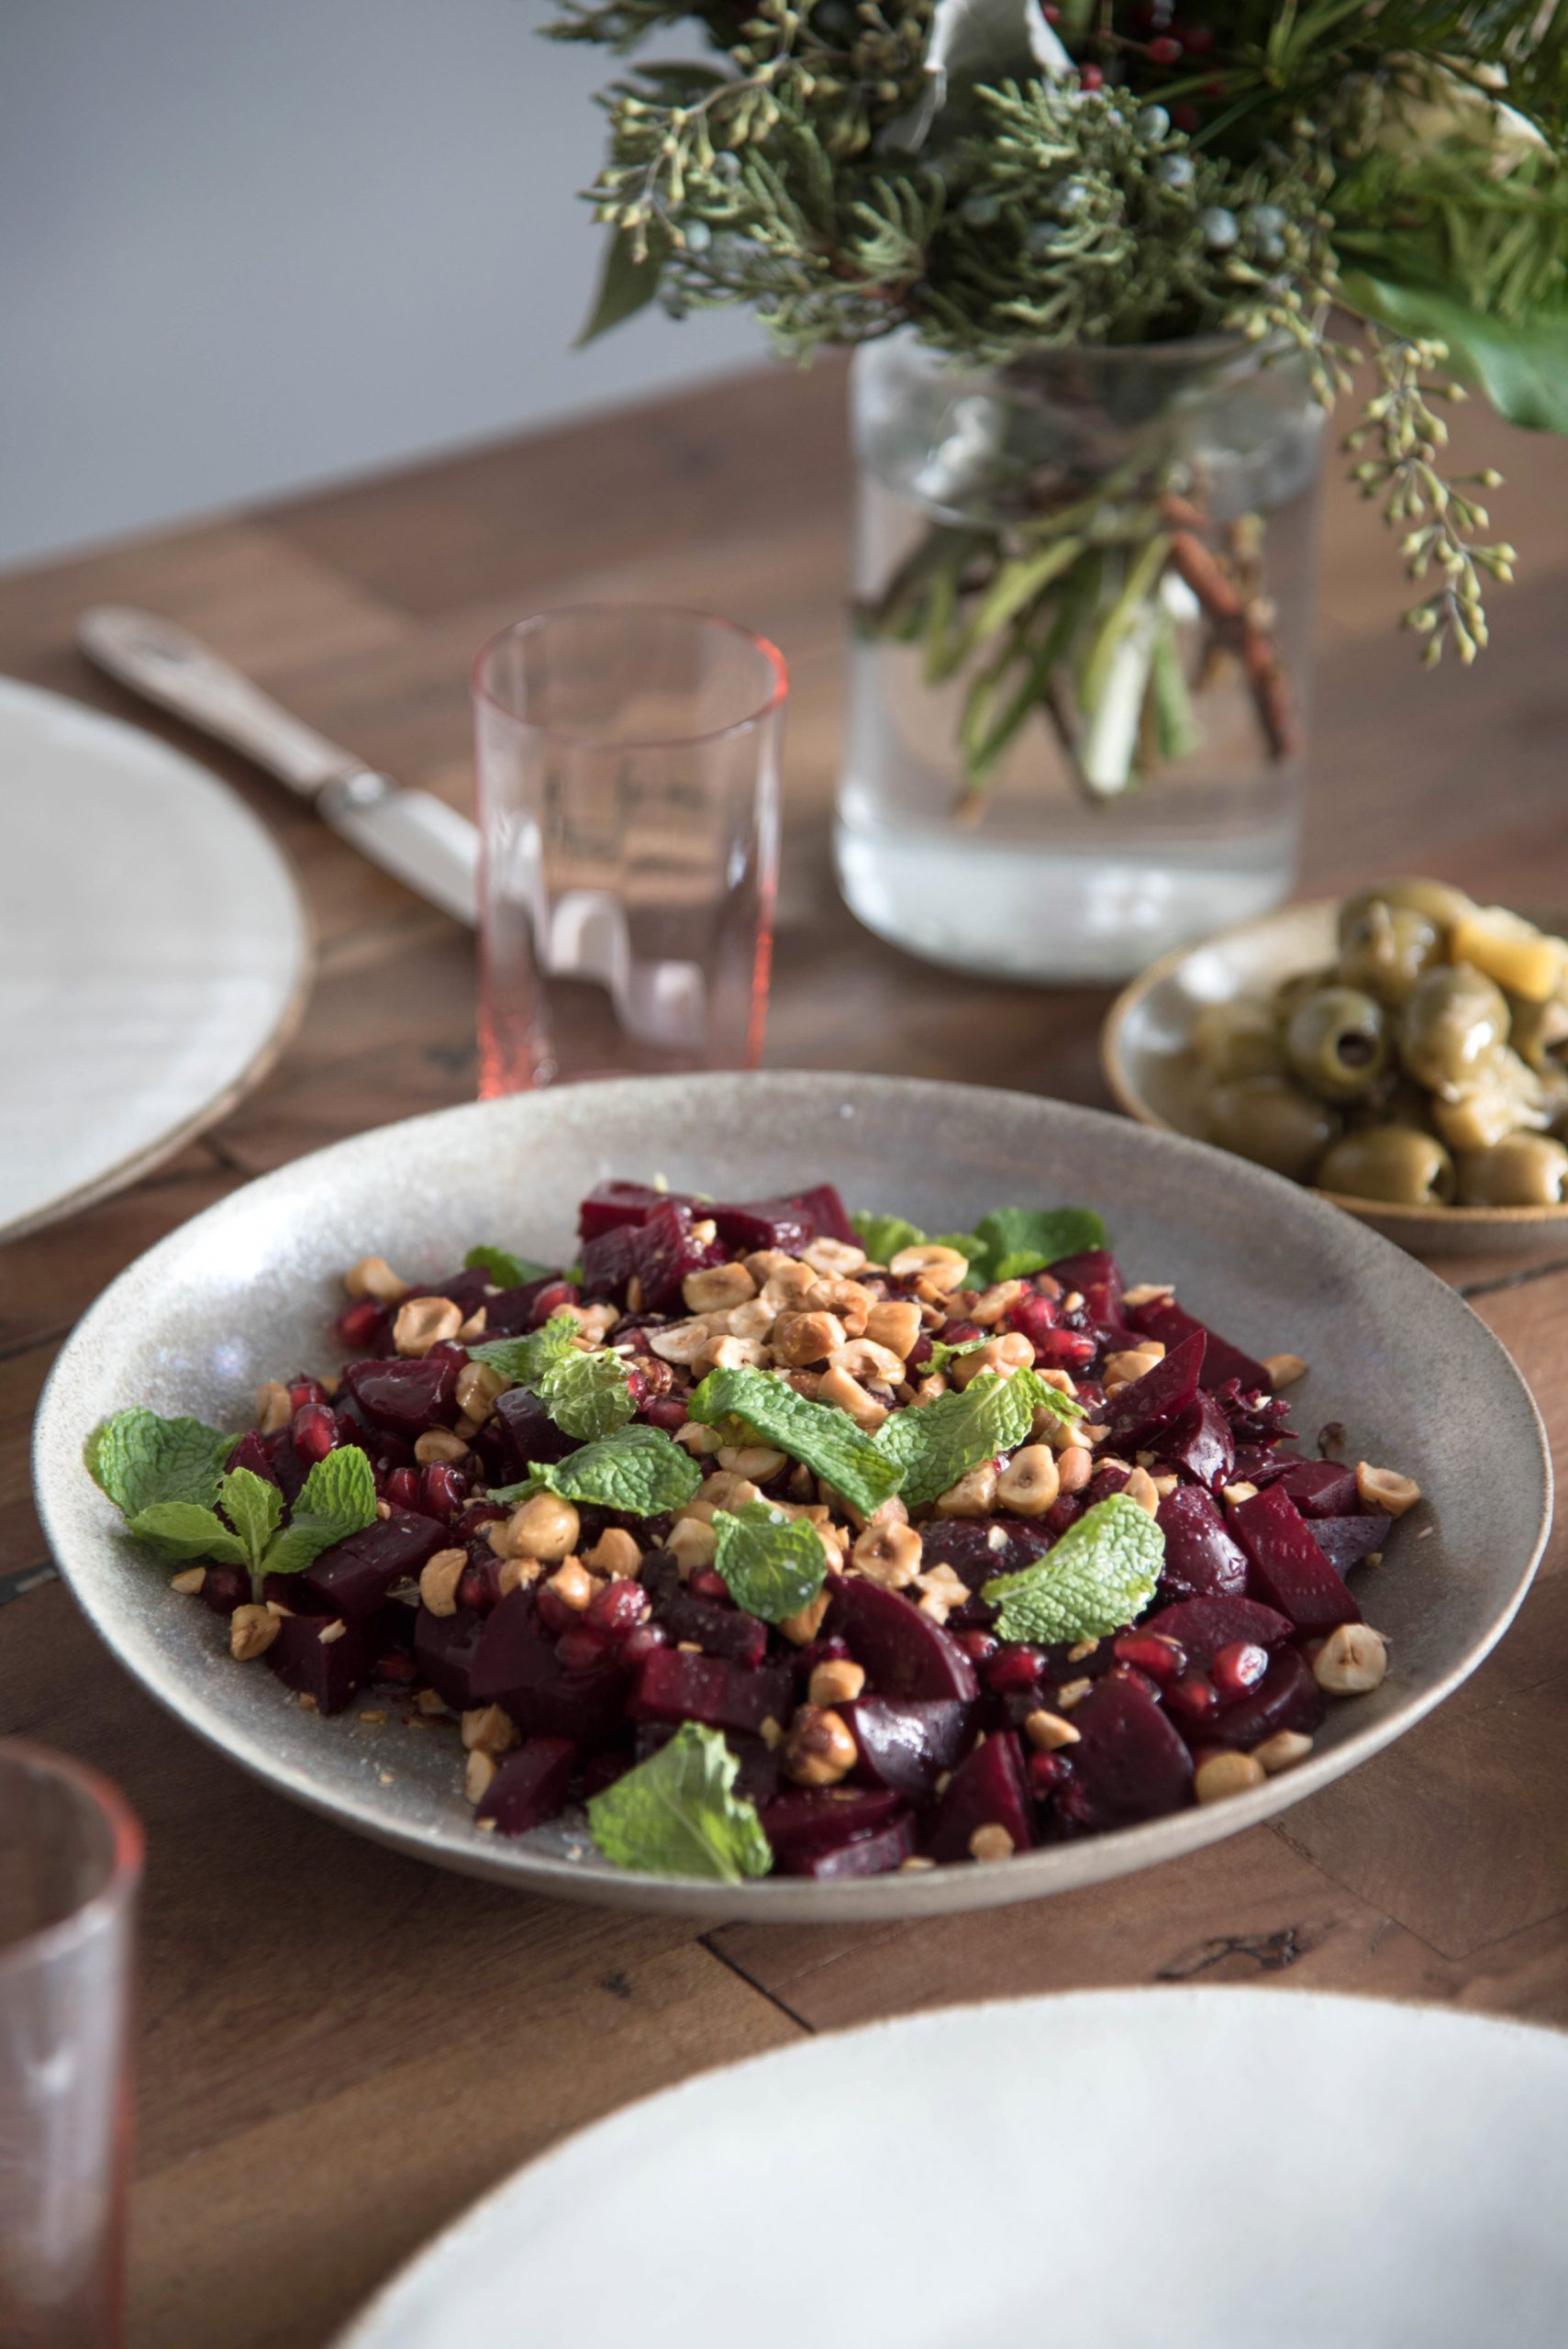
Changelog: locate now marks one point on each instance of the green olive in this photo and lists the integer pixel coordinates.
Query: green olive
(1500, 1095)
(1537, 1030)
(1386, 949)
(1391, 1162)
(1272, 1122)
(1439, 901)
(1237, 1039)
(1520, 1171)
(1336, 1043)
(1453, 1018)
(1290, 992)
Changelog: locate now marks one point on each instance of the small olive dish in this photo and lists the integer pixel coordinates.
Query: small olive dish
(1153, 1050)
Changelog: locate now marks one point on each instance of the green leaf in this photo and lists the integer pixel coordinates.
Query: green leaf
(507, 1271)
(626, 283)
(525, 1360)
(826, 1439)
(337, 1499)
(1018, 1241)
(1522, 368)
(774, 1565)
(639, 1470)
(940, 1354)
(140, 1460)
(678, 1814)
(931, 1445)
(252, 1507)
(586, 1394)
(882, 1236)
(185, 1530)
(1098, 1578)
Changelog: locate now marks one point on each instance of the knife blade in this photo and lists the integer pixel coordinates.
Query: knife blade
(411, 834)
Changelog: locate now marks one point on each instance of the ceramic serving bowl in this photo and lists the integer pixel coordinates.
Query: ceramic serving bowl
(246, 1292)
(1145, 1051)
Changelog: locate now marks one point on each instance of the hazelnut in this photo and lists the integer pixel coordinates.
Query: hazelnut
(731, 1353)
(846, 1298)
(764, 1263)
(942, 1269)
(1072, 1692)
(700, 1442)
(1075, 1468)
(424, 1323)
(1244, 1491)
(373, 1276)
(972, 1495)
(846, 1394)
(818, 1750)
(786, 1288)
(1148, 1293)
(439, 1444)
(487, 1729)
(1121, 1369)
(273, 1407)
(1010, 1353)
(478, 1770)
(572, 1583)
(836, 1258)
(1282, 1750)
(993, 1302)
(439, 1579)
(546, 1528)
(991, 1842)
(1384, 1488)
(251, 1631)
(692, 1544)
(942, 1590)
(1284, 1370)
(728, 1489)
(518, 1574)
(1031, 1482)
(1352, 1661)
(894, 1326)
(682, 1342)
(753, 1320)
(614, 1554)
(756, 1462)
(1141, 1487)
(189, 1582)
(595, 1322)
(1218, 1775)
(716, 1286)
(803, 1339)
(477, 1388)
(802, 1628)
(472, 1328)
(887, 1554)
(1046, 1731)
(838, 1682)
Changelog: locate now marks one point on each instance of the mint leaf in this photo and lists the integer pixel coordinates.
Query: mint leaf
(639, 1470)
(1066, 1407)
(825, 1437)
(1097, 1579)
(1015, 1241)
(140, 1460)
(774, 1565)
(252, 1507)
(586, 1394)
(507, 1271)
(678, 1814)
(940, 1354)
(525, 1360)
(882, 1236)
(933, 1444)
(185, 1530)
(337, 1499)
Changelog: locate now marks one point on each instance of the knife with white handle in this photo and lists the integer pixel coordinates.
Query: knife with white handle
(412, 834)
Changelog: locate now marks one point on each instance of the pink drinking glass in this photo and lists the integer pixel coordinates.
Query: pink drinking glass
(69, 1865)
(628, 760)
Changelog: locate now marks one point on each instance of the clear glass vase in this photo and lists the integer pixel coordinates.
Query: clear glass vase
(1083, 616)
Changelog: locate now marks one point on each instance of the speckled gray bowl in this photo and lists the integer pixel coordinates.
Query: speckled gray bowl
(245, 1292)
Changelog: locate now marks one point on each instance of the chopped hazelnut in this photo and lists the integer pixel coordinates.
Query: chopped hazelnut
(518, 1573)
(731, 1353)
(839, 1258)
(993, 1302)
(472, 1328)
(846, 1394)
(943, 1590)
(478, 1770)
(1219, 1775)
(701, 1442)
(972, 1495)
(487, 1729)
(754, 1321)
(1385, 1489)
(728, 1489)
(864, 1358)
(572, 1583)
(545, 1527)
(771, 1733)
(681, 1342)
(1072, 1693)
(818, 1750)
(837, 1682)
(251, 1631)
(1236, 1494)
(424, 1323)
(439, 1444)
(802, 1338)
(1284, 1370)
(1029, 1483)
(941, 1269)
(758, 1464)
(1046, 1731)
(692, 1544)
(716, 1286)
(477, 1388)
(895, 1325)
(1005, 1355)
(1122, 1369)
(273, 1407)
(188, 1582)
(615, 1554)
(1075, 1468)
(1141, 1487)
(335, 1630)
(991, 1842)
(887, 1554)
(802, 1628)
(373, 1276)
(1282, 1750)
(1148, 1293)
(439, 1579)
(1353, 1661)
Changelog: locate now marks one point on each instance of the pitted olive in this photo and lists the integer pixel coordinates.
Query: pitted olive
(1385, 950)
(1336, 1043)
(1272, 1122)
(1520, 1171)
(1499, 1096)
(1453, 1018)
(1439, 901)
(1394, 1164)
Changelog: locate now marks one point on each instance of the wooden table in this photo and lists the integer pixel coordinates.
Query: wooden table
(340, 2048)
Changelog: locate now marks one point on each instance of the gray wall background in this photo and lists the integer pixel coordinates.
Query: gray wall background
(248, 245)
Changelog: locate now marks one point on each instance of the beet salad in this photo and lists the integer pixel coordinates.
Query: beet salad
(773, 1539)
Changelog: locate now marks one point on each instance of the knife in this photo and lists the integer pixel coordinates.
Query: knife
(411, 834)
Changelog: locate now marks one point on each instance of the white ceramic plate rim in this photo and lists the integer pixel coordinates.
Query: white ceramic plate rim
(225, 805)
(93, 1578)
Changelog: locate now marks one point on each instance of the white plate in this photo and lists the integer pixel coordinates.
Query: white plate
(152, 954)
(1146, 2169)
(246, 1292)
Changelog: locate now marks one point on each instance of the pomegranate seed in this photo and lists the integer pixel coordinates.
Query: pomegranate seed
(920, 1354)
(666, 1411)
(479, 1588)
(364, 1328)
(1036, 1316)
(306, 1389)
(554, 1613)
(978, 1646)
(1194, 1697)
(579, 1651)
(315, 1431)
(449, 1350)
(960, 1334)
(1091, 77)
(1239, 1667)
(1063, 1349)
(1012, 1669)
(641, 1643)
(1158, 1659)
(1046, 1773)
(1140, 1680)
(551, 1300)
(476, 1514)
(617, 1609)
(1197, 39)
(442, 1489)
(1165, 50)
(402, 1489)
(636, 1384)
(706, 1584)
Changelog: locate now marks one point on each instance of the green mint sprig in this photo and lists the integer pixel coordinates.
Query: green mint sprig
(637, 1470)
(942, 1353)
(678, 1814)
(172, 1492)
(773, 1564)
(503, 1269)
(1096, 1580)
(826, 1439)
(934, 1443)
(525, 1360)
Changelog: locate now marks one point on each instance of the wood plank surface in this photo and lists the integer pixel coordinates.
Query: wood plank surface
(338, 2048)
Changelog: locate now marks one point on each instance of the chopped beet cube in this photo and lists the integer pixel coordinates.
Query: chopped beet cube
(804, 1819)
(1130, 1763)
(1346, 1540)
(906, 1743)
(1204, 1626)
(1202, 1557)
(1289, 1570)
(530, 1786)
(406, 1397)
(657, 1255)
(465, 1288)
(353, 1578)
(511, 1311)
(1199, 1442)
(673, 1687)
(978, 1547)
(716, 1629)
(1261, 1464)
(866, 1855)
(527, 1433)
(987, 1789)
(1286, 1697)
(757, 1779)
(1322, 1487)
(1165, 1320)
(517, 1666)
(250, 1453)
(1138, 1410)
(329, 1668)
(609, 1207)
(791, 1224)
(903, 1651)
(1097, 1275)
(444, 1650)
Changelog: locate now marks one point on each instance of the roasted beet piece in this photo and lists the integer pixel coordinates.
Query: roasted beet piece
(610, 1205)
(1130, 1763)
(512, 1311)
(465, 1288)
(406, 1397)
(717, 1629)
(905, 1743)
(791, 1224)
(1097, 1275)
(327, 1668)
(250, 1453)
(527, 1433)
(1199, 1442)
(903, 1651)
(224, 1588)
(353, 1578)
(1166, 1320)
(866, 1855)
(804, 1819)
(1321, 1487)
(517, 1666)
(1140, 1410)
(1289, 1570)
(530, 1786)
(1346, 1540)
(673, 1687)
(1286, 1697)
(1261, 1464)
(1204, 1626)
(444, 1650)
(978, 1547)
(757, 1778)
(987, 1789)
(656, 1255)
(1203, 1559)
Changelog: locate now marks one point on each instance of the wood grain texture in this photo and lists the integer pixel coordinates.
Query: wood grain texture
(340, 2049)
